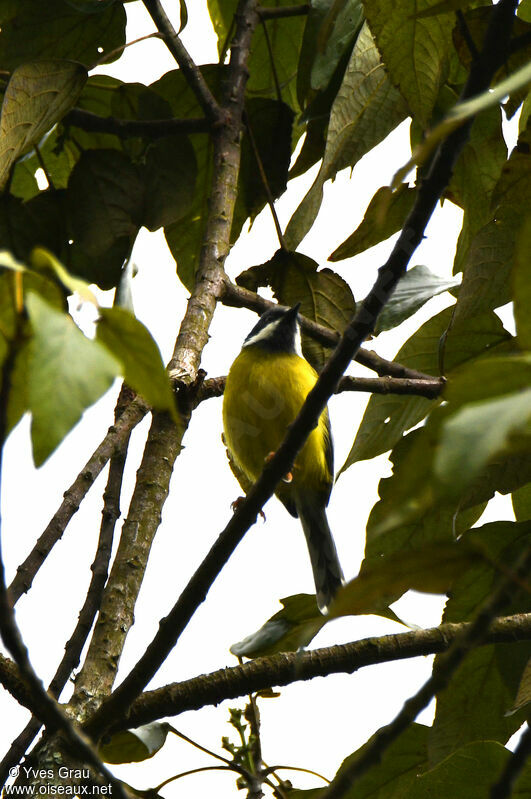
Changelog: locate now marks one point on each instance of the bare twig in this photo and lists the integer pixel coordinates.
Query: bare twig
(289, 667)
(128, 128)
(114, 441)
(189, 69)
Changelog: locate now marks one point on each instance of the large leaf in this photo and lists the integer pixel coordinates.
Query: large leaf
(37, 96)
(54, 29)
(67, 373)
(417, 286)
(169, 177)
(415, 50)
(385, 215)
(469, 774)
(105, 195)
(432, 569)
(142, 367)
(366, 109)
(387, 417)
(398, 769)
(58, 155)
(476, 703)
(324, 296)
(39, 222)
(330, 32)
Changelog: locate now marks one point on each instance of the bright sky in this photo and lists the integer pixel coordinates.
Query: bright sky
(312, 725)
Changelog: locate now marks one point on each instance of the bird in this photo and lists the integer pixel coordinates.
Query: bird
(265, 388)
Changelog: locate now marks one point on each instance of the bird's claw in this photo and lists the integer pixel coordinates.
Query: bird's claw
(288, 477)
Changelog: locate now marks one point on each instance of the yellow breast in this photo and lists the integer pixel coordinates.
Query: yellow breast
(263, 394)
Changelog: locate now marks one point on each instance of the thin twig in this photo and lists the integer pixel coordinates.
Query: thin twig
(130, 128)
(189, 69)
(107, 56)
(113, 442)
(191, 771)
(265, 183)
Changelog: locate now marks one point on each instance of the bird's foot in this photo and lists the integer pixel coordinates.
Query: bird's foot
(236, 504)
(288, 477)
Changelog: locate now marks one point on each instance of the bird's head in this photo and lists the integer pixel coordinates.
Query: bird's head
(277, 330)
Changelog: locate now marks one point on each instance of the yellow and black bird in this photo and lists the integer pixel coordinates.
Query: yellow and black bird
(266, 387)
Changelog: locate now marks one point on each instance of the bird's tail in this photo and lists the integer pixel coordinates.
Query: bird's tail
(327, 571)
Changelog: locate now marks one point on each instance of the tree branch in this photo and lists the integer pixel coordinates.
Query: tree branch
(362, 325)
(189, 69)
(114, 441)
(287, 668)
(237, 297)
(128, 128)
(428, 387)
(164, 440)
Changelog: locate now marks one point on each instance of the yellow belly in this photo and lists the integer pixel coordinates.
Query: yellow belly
(263, 395)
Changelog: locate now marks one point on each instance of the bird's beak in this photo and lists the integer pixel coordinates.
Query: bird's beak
(292, 313)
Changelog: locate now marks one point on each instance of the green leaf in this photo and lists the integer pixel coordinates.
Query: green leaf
(521, 499)
(417, 286)
(39, 222)
(387, 417)
(384, 216)
(67, 373)
(521, 280)
(183, 15)
(366, 109)
(54, 29)
(415, 50)
(270, 124)
(37, 96)
(432, 569)
(134, 745)
(476, 703)
(58, 155)
(46, 262)
(132, 344)
(169, 177)
(478, 432)
(105, 199)
(470, 772)
(324, 296)
(329, 35)
(290, 629)
(398, 770)
(444, 7)
(523, 696)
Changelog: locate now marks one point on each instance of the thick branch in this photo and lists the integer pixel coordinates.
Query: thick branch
(128, 128)
(238, 297)
(289, 667)
(113, 442)
(503, 787)
(164, 440)
(189, 69)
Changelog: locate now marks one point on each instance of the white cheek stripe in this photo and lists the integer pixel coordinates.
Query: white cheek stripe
(298, 343)
(262, 334)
